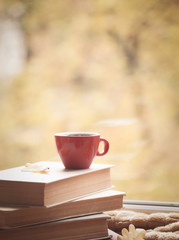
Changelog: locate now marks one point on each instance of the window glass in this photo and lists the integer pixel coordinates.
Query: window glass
(104, 66)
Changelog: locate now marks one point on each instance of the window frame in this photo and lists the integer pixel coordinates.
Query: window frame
(151, 206)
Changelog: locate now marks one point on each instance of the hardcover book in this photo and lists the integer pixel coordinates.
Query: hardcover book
(79, 228)
(95, 203)
(57, 186)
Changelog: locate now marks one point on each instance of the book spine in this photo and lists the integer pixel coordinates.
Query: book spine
(2, 220)
(20, 193)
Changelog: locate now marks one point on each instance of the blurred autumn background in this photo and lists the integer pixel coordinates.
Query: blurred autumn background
(107, 66)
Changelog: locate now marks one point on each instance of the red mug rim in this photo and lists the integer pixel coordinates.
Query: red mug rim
(76, 134)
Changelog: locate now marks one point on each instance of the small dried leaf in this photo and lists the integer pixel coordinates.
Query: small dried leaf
(132, 234)
(125, 233)
(32, 167)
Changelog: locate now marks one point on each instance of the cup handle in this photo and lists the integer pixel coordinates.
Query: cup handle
(106, 147)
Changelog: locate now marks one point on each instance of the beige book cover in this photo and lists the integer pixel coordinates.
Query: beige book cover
(53, 187)
(79, 228)
(98, 202)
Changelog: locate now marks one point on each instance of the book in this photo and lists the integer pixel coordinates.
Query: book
(57, 186)
(78, 228)
(95, 203)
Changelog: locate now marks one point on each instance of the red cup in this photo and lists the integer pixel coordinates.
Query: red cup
(78, 149)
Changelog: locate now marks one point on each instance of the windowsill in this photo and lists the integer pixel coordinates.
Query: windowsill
(150, 206)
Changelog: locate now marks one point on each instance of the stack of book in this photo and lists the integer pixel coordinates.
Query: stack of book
(60, 204)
